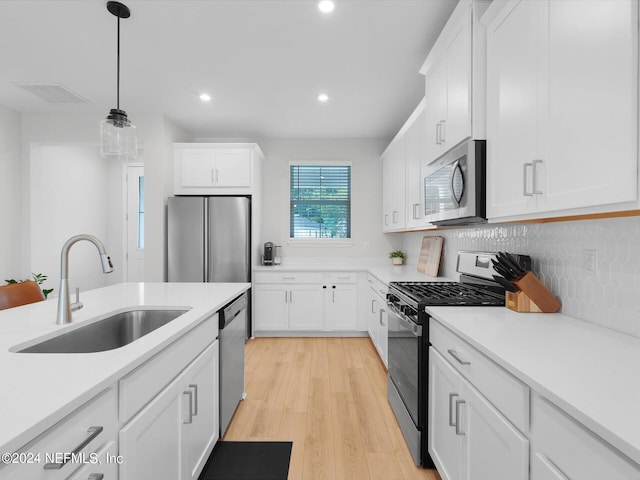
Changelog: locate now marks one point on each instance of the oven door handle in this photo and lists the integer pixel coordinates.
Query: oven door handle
(414, 328)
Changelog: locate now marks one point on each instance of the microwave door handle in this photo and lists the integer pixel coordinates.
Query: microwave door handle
(456, 166)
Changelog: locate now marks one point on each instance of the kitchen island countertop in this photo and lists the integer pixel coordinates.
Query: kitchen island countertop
(587, 370)
(38, 390)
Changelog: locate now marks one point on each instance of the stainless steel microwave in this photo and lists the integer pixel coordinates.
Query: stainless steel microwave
(455, 186)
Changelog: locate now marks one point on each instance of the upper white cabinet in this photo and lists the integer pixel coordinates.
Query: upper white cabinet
(562, 105)
(455, 79)
(414, 160)
(393, 186)
(216, 168)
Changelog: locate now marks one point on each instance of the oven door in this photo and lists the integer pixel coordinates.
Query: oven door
(405, 360)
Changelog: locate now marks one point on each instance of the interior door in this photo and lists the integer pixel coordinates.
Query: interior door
(134, 254)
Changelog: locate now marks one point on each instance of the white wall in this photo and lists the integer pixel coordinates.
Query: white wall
(10, 201)
(366, 199)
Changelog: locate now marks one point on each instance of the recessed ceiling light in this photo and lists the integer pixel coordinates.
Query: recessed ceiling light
(326, 6)
(205, 97)
(323, 97)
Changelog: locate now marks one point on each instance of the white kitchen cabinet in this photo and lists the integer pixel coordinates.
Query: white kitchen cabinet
(468, 437)
(288, 301)
(106, 464)
(415, 155)
(454, 82)
(94, 427)
(340, 301)
(215, 168)
(377, 323)
(169, 407)
(562, 448)
(310, 302)
(393, 186)
(562, 107)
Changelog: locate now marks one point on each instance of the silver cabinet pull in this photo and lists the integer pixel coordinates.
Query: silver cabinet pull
(438, 133)
(458, 430)
(195, 398)
(393, 217)
(452, 423)
(217, 178)
(96, 476)
(443, 138)
(373, 303)
(525, 191)
(534, 163)
(290, 296)
(455, 355)
(386, 219)
(190, 393)
(92, 433)
(382, 310)
(288, 278)
(416, 216)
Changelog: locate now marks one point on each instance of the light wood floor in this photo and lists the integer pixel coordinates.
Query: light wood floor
(328, 396)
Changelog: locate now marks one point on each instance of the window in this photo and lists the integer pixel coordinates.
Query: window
(320, 201)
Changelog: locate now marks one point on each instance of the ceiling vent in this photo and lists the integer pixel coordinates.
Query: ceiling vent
(52, 92)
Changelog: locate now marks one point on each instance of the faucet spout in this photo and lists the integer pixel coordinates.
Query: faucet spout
(64, 304)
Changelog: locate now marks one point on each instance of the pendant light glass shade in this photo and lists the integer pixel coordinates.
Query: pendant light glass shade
(117, 133)
(118, 136)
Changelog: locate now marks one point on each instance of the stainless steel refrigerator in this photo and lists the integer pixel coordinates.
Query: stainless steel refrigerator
(209, 239)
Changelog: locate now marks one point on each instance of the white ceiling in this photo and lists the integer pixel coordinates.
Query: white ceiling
(263, 62)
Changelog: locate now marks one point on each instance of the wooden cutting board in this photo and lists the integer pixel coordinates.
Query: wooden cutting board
(430, 254)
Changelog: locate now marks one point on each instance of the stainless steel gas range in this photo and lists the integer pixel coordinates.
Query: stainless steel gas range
(408, 325)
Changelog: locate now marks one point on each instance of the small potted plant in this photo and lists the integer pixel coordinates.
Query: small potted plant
(397, 257)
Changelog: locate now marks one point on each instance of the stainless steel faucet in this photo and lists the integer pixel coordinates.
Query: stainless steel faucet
(64, 306)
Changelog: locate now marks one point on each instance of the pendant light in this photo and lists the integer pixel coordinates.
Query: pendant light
(117, 133)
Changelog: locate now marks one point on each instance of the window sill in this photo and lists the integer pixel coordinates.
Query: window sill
(320, 242)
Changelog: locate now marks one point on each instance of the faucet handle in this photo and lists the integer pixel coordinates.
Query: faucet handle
(77, 305)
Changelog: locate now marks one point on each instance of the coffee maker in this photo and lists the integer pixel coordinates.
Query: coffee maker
(267, 255)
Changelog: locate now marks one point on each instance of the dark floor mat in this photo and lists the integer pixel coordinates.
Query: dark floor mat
(248, 461)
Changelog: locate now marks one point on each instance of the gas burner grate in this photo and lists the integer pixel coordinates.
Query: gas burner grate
(448, 293)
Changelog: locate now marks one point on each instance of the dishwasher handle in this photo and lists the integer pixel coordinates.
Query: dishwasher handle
(232, 310)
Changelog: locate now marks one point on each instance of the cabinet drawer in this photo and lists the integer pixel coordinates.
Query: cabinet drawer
(379, 287)
(343, 277)
(144, 383)
(502, 389)
(288, 277)
(65, 437)
(568, 449)
(106, 464)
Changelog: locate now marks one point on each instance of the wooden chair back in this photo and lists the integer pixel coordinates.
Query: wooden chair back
(16, 294)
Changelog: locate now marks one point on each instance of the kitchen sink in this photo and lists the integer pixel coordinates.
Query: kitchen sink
(107, 334)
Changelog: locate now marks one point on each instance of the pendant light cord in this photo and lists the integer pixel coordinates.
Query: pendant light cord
(118, 70)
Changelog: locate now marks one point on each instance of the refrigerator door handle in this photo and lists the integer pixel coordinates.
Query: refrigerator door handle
(205, 254)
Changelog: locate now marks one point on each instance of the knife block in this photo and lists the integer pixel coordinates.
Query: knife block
(532, 297)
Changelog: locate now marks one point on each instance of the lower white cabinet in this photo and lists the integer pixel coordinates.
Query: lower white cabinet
(468, 437)
(172, 437)
(563, 449)
(377, 324)
(305, 301)
(87, 433)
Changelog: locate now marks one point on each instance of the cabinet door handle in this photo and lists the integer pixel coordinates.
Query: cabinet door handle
(458, 430)
(288, 278)
(190, 393)
(525, 191)
(438, 127)
(195, 398)
(534, 163)
(290, 296)
(373, 303)
(285, 296)
(393, 219)
(416, 215)
(217, 177)
(455, 355)
(386, 219)
(213, 179)
(96, 476)
(382, 310)
(92, 433)
(452, 423)
(443, 130)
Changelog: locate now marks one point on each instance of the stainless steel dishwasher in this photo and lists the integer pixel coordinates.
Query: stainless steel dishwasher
(233, 320)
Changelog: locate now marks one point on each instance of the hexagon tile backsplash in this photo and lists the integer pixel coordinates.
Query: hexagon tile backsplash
(608, 295)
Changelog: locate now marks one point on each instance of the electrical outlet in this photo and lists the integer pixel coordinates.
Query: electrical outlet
(590, 261)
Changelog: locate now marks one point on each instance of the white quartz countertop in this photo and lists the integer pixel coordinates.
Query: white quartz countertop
(589, 371)
(385, 272)
(40, 389)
